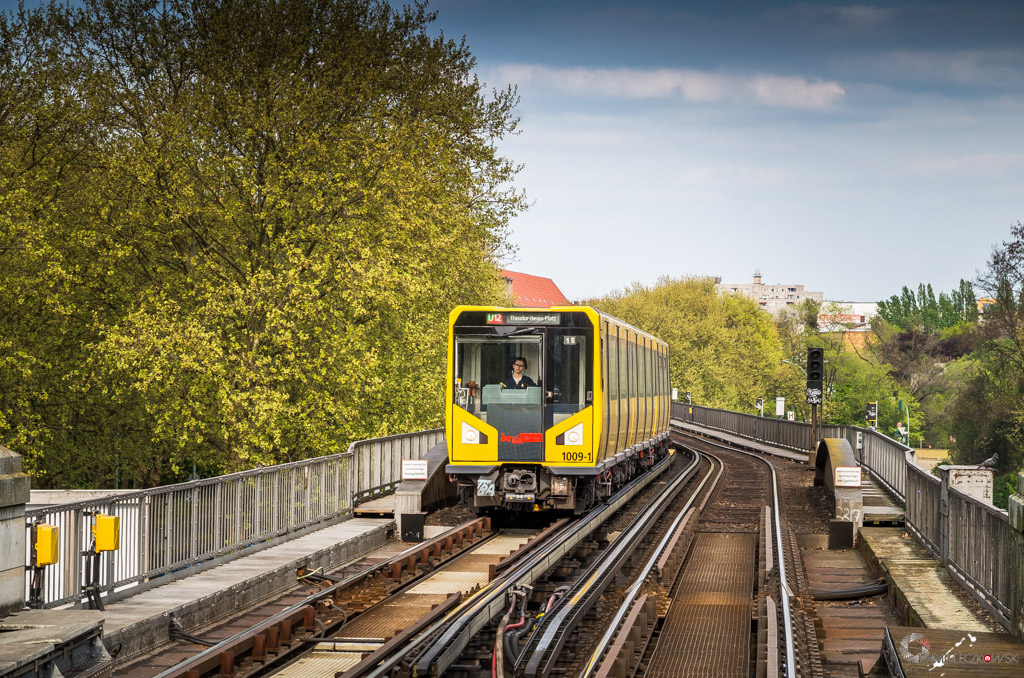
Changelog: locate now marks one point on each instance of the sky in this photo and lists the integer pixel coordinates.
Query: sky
(851, 148)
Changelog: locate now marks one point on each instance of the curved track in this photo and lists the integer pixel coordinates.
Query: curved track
(595, 598)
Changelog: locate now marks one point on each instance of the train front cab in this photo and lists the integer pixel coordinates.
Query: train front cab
(575, 437)
(500, 440)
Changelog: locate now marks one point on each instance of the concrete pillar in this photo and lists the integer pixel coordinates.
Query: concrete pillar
(14, 494)
(1015, 550)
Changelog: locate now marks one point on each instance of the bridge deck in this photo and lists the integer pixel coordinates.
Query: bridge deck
(383, 506)
(879, 508)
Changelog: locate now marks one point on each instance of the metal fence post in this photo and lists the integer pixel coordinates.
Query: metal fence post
(944, 514)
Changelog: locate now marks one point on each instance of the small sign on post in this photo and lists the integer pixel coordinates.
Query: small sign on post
(780, 406)
(675, 393)
(847, 476)
(414, 469)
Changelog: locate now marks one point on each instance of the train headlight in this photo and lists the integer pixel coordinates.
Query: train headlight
(471, 436)
(574, 436)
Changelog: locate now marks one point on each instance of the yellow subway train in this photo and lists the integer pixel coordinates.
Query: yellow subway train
(552, 408)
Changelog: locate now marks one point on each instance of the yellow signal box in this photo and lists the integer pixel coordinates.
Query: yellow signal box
(107, 532)
(47, 544)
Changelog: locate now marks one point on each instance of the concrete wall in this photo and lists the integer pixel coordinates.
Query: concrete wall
(14, 493)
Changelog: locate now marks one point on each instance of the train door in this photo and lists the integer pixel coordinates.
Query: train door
(645, 401)
(631, 381)
(568, 384)
(614, 399)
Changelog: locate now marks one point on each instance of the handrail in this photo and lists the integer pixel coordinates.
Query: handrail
(171, 531)
(967, 535)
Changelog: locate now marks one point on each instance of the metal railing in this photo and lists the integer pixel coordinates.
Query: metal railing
(175, 530)
(792, 434)
(970, 537)
(882, 456)
(922, 515)
(377, 463)
(977, 554)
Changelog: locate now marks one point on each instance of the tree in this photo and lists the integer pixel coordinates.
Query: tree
(233, 230)
(723, 349)
(923, 312)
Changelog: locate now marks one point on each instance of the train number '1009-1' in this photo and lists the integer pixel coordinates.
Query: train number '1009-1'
(578, 456)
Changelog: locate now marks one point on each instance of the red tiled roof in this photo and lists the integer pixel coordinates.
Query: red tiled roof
(532, 290)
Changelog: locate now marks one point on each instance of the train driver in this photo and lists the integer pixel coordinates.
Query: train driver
(517, 379)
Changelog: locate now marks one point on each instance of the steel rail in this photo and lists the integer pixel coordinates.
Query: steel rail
(636, 587)
(783, 582)
(211, 655)
(456, 630)
(555, 626)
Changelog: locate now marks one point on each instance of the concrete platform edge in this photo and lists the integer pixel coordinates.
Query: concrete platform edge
(151, 634)
(882, 568)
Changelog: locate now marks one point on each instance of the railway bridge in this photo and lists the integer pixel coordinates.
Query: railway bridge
(754, 550)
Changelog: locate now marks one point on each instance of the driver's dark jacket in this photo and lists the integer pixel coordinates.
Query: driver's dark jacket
(509, 382)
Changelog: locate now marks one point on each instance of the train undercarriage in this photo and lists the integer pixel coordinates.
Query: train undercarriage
(519, 486)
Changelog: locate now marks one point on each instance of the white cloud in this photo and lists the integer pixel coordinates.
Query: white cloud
(691, 85)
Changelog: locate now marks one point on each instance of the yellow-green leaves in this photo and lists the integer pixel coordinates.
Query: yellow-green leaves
(233, 234)
(723, 348)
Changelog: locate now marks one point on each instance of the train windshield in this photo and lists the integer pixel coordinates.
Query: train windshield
(488, 365)
(499, 380)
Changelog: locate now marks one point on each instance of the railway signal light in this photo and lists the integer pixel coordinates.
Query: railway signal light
(815, 374)
(872, 414)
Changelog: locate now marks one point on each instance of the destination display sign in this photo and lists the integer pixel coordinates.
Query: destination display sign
(524, 318)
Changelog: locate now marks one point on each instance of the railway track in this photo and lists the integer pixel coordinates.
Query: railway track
(269, 636)
(785, 642)
(592, 596)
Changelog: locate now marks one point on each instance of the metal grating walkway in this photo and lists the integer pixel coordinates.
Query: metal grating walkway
(707, 630)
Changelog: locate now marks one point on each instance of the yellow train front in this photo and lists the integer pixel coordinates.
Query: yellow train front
(588, 412)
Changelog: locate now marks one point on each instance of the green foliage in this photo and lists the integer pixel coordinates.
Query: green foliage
(986, 414)
(1003, 486)
(723, 349)
(231, 231)
(924, 312)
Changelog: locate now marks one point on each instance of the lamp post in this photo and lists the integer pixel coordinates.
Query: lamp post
(900, 405)
(802, 368)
